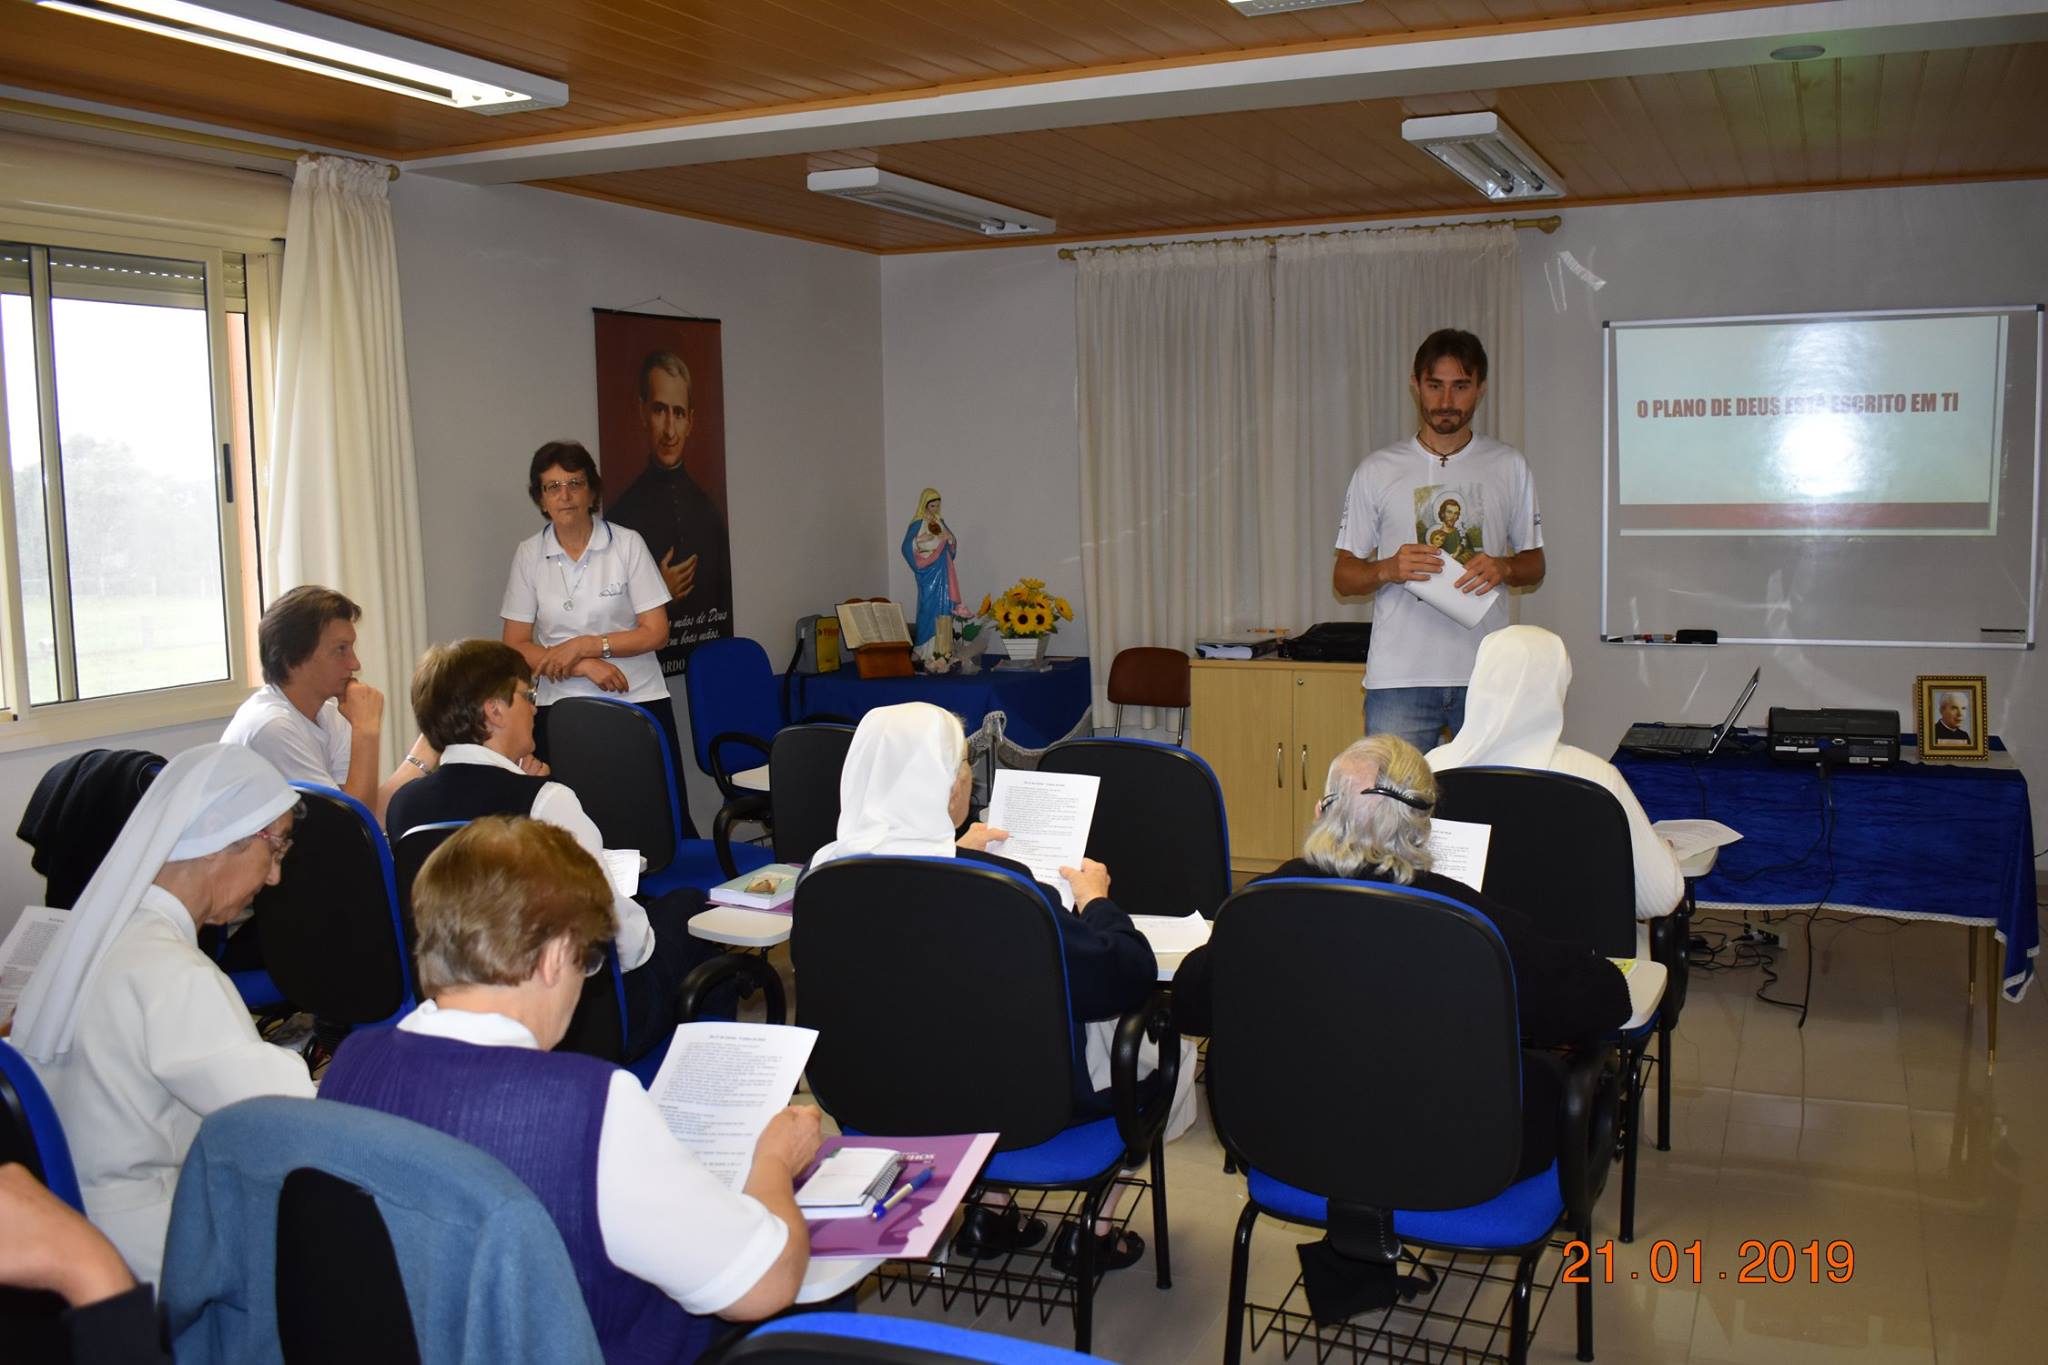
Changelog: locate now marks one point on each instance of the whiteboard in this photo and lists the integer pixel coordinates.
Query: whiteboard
(1868, 478)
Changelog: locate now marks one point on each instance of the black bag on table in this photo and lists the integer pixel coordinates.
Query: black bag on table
(1342, 642)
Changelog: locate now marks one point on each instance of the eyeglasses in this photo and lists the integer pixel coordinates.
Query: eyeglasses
(593, 957)
(281, 844)
(554, 486)
(532, 697)
(1380, 789)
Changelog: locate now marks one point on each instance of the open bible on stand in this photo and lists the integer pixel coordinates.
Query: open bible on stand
(878, 636)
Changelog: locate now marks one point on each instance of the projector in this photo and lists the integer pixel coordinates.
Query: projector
(1842, 737)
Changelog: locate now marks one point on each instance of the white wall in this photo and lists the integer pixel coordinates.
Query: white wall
(978, 402)
(979, 385)
(498, 286)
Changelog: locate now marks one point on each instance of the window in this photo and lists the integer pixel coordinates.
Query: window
(128, 520)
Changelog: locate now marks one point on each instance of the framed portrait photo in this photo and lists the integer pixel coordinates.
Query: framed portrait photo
(1953, 718)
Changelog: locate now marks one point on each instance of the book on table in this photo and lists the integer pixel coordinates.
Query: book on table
(765, 888)
(910, 1228)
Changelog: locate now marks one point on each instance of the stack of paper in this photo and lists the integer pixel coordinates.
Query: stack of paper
(720, 1085)
(1440, 590)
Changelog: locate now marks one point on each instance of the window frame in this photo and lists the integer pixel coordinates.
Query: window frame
(25, 725)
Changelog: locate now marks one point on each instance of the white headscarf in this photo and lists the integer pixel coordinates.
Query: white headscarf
(1514, 705)
(898, 779)
(204, 799)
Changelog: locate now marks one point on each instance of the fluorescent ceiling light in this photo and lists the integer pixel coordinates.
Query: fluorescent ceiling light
(1251, 9)
(326, 46)
(1485, 153)
(882, 189)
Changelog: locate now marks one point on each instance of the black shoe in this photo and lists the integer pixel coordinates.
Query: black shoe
(986, 1233)
(1113, 1250)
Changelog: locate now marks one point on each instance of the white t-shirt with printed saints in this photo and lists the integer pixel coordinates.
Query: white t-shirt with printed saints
(1398, 497)
(601, 594)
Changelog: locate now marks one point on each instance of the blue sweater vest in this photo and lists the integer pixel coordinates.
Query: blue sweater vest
(540, 1114)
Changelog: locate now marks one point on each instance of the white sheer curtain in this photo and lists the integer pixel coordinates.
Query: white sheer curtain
(1175, 352)
(1228, 391)
(343, 506)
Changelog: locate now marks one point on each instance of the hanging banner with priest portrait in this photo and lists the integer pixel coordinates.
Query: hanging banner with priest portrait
(661, 451)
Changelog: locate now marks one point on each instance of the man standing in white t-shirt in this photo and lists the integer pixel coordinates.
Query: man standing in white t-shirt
(313, 718)
(1445, 492)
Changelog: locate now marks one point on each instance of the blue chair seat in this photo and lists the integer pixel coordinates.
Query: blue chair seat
(1519, 1215)
(45, 1132)
(1079, 1154)
(935, 1338)
(696, 864)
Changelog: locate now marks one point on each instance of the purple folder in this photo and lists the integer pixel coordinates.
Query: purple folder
(910, 1230)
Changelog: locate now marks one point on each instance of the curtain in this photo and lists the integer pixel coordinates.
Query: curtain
(1228, 392)
(343, 498)
(1175, 355)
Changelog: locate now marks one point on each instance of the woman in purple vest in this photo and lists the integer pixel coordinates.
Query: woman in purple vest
(511, 916)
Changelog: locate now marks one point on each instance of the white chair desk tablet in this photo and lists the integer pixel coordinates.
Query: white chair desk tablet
(1645, 991)
(740, 928)
(828, 1279)
(753, 779)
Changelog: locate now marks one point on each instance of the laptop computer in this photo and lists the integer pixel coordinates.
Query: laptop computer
(1688, 741)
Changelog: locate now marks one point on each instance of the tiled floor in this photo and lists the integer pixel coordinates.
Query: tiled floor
(1875, 1124)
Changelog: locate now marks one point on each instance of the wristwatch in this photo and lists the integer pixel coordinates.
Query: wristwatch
(605, 646)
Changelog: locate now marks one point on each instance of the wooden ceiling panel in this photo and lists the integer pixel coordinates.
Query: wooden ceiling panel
(1968, 113)
(635, 62)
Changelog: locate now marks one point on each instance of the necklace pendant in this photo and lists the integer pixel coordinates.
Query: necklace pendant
(568, 604)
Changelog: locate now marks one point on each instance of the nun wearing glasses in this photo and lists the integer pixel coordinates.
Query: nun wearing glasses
(134, 1031)
(1372, 825)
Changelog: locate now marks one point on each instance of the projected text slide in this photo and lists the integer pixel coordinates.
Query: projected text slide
(1846, 426)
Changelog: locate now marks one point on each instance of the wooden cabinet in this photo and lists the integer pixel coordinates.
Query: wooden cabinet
(1270, 727)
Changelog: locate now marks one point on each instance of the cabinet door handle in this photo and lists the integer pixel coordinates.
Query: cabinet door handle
(1304, 767)
(1279, 766)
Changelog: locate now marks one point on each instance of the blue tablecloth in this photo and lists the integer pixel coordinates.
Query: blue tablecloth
(1912, 841)
(1043, 705)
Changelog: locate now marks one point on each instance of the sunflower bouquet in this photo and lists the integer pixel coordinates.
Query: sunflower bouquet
(1025, 610)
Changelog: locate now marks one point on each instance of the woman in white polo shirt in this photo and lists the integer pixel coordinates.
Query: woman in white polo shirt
(585, 604)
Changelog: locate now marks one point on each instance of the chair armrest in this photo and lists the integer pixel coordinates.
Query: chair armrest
(1585, 1122)
(721, 773)
(1139, 1126)
(752, 807)
(752, 972)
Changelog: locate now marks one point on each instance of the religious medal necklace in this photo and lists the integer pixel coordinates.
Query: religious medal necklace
(568, 588)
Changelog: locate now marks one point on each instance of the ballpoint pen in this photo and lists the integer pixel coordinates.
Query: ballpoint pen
(901, 1192)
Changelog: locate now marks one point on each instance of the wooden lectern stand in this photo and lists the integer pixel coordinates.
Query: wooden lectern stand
(880, 638)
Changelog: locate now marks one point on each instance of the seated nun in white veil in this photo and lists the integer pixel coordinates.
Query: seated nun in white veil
(1514, 718)
(134, 1031)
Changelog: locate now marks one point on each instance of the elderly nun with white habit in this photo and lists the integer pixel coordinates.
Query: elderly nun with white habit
(134, 1031)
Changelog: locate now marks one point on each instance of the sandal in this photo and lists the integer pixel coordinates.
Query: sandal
(986, 1232)
(1114, 1250)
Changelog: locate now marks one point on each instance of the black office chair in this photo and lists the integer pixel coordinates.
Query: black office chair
(367, 1215)
(1366, 1070)
(939, 993)
(804, 764)
(616, 758)
(1159, 823)
(1560, 852)
(334, 939)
